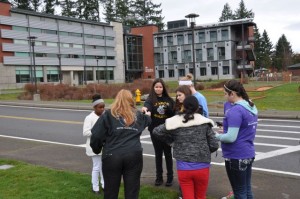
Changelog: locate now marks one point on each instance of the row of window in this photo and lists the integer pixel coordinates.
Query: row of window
(61, 33)
(203, 72)
(187, 56)
(24, 54)
(201, 37)
(23, 76)
(64, 45)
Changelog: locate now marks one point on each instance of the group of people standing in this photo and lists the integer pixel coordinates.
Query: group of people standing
(182, 126)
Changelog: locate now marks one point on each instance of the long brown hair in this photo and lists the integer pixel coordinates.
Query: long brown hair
(124, 107)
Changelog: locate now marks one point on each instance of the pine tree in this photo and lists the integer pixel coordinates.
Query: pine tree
(242, 12)
(266, 47)
(87, 10)
(36, 4)
(258, 49)
(146, 12)
(21, 4)
(68, 8)
(122, 12)
(109, 13)
(49, 6)
(226, 13)
(283, 54)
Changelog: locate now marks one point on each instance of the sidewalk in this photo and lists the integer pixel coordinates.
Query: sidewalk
(213, 110)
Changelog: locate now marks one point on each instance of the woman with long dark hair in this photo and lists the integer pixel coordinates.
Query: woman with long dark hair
(239, 129)
(161, 106)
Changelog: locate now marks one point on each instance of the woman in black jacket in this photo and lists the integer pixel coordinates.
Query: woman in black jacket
(118, 131)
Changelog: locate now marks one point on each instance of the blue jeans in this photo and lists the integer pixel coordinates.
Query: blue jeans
(239, 174)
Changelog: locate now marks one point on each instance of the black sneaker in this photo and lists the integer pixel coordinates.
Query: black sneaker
(158, 181)
(169, 182)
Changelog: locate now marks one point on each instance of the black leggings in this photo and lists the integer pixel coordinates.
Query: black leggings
(130, 166)
(160, 148)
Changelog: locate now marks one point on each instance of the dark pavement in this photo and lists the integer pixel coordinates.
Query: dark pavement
(265, 185)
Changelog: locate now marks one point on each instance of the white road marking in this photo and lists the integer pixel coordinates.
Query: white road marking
(277, 137)
(279, 126)
(258, 157)
(294, 132)
(277, 152)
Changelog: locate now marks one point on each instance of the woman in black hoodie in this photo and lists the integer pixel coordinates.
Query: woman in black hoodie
(161, 106)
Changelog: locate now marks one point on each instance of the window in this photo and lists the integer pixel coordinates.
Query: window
(158, 58)
(171, 73)
(89, 75)
(109, 38)
(21, 54)
(51, 44)
(210, 54)
(38, 43)
(74, 34)
(187, 56)
(190, 38)
(52, 32)
(199, 55)
(170, 40)
(221, 52)
(202, 71)
(98, 37)
(180, 40)
(226, 70)
(20, 41)
(214, 70)
(173, 57)
(64, 45)
(88, 36)
(103, 73)
(22, 76)
(225, 35)
(201, 36)
(213, 35)
(110, 57)
(161, 74)
(19, 28)
(37, 30)
(52, 76)
(159, 41)
(63, 33)
(181, 72)
(77, 46)
(40, 55)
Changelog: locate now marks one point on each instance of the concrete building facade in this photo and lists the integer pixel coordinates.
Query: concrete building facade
(220, 52)
(66, 50)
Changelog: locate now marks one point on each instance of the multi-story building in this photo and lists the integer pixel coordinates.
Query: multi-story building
(220, 52)
(139, 51)
(66, 50)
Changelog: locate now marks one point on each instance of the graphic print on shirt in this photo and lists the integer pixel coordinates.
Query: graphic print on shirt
(161, 110)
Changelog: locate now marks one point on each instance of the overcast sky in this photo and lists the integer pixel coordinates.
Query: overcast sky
(277, 17)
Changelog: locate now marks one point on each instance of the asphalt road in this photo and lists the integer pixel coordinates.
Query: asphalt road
(277, 140)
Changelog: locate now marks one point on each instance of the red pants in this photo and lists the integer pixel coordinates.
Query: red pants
(193, 183)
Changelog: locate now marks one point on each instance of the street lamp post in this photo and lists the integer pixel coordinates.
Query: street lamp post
(32, 44)
(97, 59)
(192, 17)
(60, 72)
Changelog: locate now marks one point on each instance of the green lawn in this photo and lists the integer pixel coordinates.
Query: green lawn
(28, 181)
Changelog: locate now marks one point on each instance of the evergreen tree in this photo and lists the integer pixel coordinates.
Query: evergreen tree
(258, 48)
(146, 12)
(283, 54)
(109, 13)
(87, 9)
(122, 12)
(68, 8)
(266, 48)
(226, 13)
(49, 6)
(36, 4)
(21, 4)
(242, 12)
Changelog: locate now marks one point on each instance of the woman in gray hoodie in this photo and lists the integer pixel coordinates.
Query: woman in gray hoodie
(193, 142)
